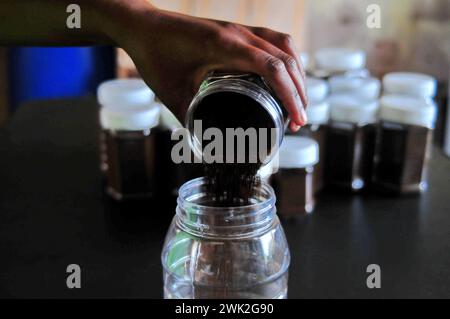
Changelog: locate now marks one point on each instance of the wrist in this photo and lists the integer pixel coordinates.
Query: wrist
(120, 20)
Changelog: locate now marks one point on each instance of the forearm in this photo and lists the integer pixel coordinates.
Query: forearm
(44, 22)
(173, 52)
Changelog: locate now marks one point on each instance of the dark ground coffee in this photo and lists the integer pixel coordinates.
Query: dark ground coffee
(350, 151)
(233, 184)
(129, 163)
(402, 155)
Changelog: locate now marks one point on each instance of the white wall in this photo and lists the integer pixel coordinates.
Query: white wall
(282, 15)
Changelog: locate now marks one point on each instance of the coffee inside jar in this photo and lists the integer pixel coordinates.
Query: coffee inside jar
(293, 183)
(249, 121)
(231, 182)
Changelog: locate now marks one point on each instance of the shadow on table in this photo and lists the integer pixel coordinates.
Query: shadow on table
(139, 221)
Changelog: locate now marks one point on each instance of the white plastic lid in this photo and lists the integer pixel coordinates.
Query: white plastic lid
(124, 92)
(317, 90)
(364, 88)
(136, 118)
(318, 114)
(408, 110)
(298, 152)
(127, 104)
(340, 59)
(415, 84)
(348, 108)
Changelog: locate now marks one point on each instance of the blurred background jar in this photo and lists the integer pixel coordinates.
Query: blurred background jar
(412, 84)
(294, 183)
(404, 144)
(350, 142)
(363, 88)
(339, 61)
(128, 116)
(423, 86)
(318, 113)
(213, 252)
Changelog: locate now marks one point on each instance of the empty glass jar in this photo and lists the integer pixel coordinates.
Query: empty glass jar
(225, 252)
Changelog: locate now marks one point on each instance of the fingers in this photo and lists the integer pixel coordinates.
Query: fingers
(285, 43)
(289, 61)
(252, 59)
(293, 127)
(273, 56)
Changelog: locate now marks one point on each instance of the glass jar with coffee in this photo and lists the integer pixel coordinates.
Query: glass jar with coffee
(213, 251)
(231, 101)
(404, 144)
(236, 125)
(294, 183)
(127, 147)
(350, 142)
(422, 86)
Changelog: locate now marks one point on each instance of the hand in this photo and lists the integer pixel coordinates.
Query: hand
(174, 53)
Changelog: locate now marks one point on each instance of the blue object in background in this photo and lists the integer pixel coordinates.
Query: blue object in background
(46, 73)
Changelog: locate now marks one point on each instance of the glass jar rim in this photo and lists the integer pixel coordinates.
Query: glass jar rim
(239, 85)
(183, 201)
(224, 222)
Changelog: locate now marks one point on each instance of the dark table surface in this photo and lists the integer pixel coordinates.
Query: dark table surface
(53, 213)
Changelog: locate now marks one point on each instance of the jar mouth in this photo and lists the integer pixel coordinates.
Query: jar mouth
(188, 193)
(237, 84)
(207, 220)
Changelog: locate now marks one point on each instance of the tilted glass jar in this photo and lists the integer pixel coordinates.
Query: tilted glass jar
(231, 87)
(225, 252)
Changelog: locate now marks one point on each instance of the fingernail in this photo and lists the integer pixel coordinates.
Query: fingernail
(301, 111)
(294, 127)
(303, 115)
